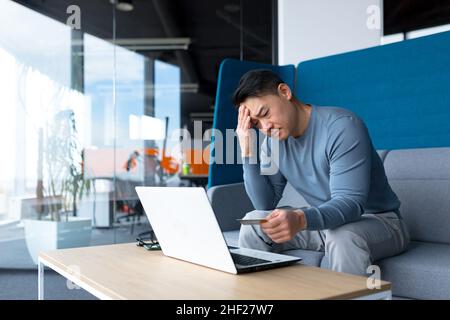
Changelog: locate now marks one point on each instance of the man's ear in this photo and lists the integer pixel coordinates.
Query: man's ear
(284, 91)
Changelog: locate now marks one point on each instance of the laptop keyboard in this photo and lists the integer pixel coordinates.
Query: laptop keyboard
(246, 260)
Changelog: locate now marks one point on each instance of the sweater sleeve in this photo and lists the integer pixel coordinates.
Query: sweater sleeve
(264, 187)
(349, 154)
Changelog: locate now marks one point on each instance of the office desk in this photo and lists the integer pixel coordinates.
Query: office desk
(125, 271)
(195, 180)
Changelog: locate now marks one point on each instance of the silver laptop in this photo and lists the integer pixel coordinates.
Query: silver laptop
(187, 229)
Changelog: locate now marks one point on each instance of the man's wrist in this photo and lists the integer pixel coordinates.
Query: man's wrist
(302, 219)
(246, 150)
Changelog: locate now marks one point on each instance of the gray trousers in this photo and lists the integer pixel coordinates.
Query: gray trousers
(351, 248)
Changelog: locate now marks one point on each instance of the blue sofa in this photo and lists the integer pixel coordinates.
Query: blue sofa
(421, 179)
(401, 91)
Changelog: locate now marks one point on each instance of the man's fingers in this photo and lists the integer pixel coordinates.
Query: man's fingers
(280, 236)
(273, 214)
(281, 240)
(246, 124)
(240, 117)
(267, 228)
(247, 113)
(273, 223)
(244, 120)
(241, 113)
(273, 218)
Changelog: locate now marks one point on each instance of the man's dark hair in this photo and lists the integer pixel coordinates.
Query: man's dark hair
(256, 83)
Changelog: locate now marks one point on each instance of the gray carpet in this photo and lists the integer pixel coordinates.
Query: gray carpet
(18, 273)
(23, 285)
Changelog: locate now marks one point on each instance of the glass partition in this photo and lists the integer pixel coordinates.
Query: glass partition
(94, 101)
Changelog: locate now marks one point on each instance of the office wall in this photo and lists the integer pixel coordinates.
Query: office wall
(312, 29)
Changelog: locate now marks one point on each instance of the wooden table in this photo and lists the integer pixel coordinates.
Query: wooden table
(125, 271)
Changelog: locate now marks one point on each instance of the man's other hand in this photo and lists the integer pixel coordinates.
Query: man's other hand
(282, 224)
(243, 131)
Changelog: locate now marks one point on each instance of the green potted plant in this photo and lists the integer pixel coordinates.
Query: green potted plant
(57, 224)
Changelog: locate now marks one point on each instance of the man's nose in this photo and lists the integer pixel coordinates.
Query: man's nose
(266, 125)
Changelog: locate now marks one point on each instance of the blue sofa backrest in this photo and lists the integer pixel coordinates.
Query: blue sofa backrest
(401, 90)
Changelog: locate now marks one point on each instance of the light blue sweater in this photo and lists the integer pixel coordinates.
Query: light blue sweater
(333, 165)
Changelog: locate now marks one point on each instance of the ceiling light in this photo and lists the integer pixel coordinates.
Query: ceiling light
(232, 7)
(153, 44)
(123, 5)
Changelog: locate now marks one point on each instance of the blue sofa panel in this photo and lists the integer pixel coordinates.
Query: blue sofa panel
(400, 90)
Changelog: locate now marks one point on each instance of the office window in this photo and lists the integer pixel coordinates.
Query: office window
(98, 86)
(392, 38)
(83, 111)
(116, 90)
(167, 97)
(427, 31)
(35, 86)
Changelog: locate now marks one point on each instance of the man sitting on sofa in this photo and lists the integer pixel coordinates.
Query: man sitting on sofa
(326, 154)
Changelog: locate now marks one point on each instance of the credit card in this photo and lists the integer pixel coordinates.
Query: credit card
(252, 221)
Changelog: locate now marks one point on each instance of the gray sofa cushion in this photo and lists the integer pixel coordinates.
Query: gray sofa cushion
(309, 257)
(382, 154)
(421, 179)
(422, 272)
(230, 202)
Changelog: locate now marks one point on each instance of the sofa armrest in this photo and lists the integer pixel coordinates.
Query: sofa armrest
(229, 202)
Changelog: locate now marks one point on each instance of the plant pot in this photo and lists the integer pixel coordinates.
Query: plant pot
(46, 235)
